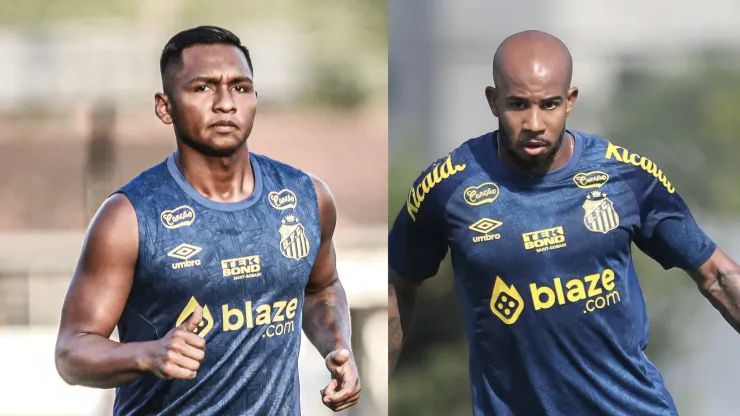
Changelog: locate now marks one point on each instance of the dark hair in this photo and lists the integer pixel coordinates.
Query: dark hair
(201, 35)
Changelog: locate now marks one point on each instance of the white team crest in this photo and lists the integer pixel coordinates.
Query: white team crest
(600, 216)
(293, 240)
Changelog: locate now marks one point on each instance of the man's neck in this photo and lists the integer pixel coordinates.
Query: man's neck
(221, 179)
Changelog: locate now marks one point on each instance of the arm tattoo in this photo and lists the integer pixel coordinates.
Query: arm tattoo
(326, 319)
(723, 275)
(395, 330)
(724, 293)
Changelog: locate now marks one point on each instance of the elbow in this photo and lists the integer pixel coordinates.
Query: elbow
(327, 287)
(62, 357)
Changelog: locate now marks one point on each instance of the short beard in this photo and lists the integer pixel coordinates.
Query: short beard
(536, 164)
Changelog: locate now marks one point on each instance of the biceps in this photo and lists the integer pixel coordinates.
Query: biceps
(95, 299)
(102, 280)
(324, 272)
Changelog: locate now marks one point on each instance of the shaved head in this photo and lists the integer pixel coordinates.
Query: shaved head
(532, 53)
(531, 98)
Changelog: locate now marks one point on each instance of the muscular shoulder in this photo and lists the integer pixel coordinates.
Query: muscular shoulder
(435, 185)
(114, 229)
(638, 170)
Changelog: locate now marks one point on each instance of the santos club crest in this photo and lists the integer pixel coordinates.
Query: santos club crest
(293, 240)
(600, 216)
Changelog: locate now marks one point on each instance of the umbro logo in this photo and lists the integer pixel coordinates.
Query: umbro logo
(485, 226)
(185, 252)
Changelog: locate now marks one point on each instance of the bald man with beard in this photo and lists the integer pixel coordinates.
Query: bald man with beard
(539, 221)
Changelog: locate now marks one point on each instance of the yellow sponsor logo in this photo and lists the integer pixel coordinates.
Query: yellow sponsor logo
(544, 240)
(506, 303)
(440, 172)
(277, 317)
(484, 193)
(178, 217)
(284, 199)
(597, 290)
(205, 325)
(185, 252)
(623, 155)
(242, 267)
(586, 180)
(485, 226)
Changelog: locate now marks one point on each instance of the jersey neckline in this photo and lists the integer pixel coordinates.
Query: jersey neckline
(216, 205)
(552, 176)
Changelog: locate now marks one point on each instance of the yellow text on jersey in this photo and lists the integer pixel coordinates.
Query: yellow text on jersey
(623, 155)
(440, 172)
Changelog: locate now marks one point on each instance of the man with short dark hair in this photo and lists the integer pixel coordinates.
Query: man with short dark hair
(209, 263)
(539, 221)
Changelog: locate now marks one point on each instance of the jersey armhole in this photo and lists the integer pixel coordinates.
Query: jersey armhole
(305, 176)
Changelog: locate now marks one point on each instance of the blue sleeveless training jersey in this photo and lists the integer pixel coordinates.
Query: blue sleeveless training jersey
(247, 264)
(554, 314)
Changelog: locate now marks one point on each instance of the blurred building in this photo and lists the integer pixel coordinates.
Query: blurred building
(77, 116)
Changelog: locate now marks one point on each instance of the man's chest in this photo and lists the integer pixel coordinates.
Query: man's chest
(245, 252)
(493, 225)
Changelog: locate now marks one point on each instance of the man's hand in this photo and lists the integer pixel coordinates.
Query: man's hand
(344, 389)
(179, 352)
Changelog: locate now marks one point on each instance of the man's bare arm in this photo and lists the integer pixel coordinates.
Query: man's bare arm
(401, 298)
(326, 319)
(94, 303)
(95, 300)
(718, 280)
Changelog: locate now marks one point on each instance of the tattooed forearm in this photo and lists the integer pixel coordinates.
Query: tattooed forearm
(395, 330)
(723, 291)
(401, 298)
(326, 319)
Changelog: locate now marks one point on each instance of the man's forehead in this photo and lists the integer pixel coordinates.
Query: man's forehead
(213, 60)
(533, 76)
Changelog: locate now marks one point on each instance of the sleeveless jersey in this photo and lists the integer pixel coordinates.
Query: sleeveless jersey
(247, 264)
(554, 314)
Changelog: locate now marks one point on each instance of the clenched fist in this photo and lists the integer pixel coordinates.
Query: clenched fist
(179, 352)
